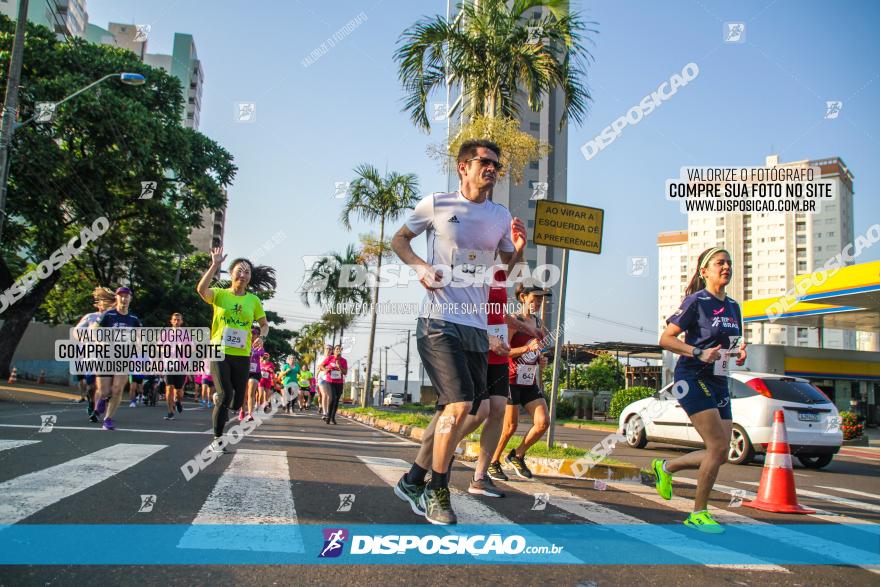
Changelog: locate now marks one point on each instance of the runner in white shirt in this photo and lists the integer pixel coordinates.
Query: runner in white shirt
(104, 299)
(465, 231)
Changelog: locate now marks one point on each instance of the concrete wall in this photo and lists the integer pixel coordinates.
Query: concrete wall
(36, 352)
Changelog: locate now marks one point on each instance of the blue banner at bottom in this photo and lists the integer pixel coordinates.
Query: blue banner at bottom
(633, 544)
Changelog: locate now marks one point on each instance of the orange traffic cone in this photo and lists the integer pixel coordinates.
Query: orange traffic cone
(42, 378)
(777, 493)
(13, 377)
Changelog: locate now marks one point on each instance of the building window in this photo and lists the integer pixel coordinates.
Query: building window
(532, 203)
(530, 224)
(534, 126)
(801, 266)
(830, 233)
(719, 233)
(534, 165)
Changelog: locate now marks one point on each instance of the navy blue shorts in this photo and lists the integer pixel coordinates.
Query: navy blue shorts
(704, 393)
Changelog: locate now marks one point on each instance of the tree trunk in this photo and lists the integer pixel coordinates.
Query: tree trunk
(18, 316)
(366, 400)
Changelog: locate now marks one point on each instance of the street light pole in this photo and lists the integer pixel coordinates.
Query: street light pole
(10, 105)
(9, 126)
(406, 369)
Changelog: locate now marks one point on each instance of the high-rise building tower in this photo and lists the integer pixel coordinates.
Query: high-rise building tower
(768, 250)
(550, 173)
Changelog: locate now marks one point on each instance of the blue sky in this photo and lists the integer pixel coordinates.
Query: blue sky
(315, 124)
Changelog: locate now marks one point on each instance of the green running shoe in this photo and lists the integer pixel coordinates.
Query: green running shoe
(704, 522)
(662, 479)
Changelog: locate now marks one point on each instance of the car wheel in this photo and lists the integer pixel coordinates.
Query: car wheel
(635, 433)
(741, 451)
(815, 461)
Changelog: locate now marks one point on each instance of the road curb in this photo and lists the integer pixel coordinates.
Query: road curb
(565, 468)
(591, 427)
(543, 466)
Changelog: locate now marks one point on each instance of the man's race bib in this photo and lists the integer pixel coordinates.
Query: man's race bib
(335, 374)
(499, 330)
(525, 374)
(234, 338)
(470, 261)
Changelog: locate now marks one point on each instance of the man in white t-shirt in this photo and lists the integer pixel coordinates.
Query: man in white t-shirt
(465, 231)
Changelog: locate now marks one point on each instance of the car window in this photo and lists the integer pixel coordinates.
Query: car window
(738, 389)
(790, 390)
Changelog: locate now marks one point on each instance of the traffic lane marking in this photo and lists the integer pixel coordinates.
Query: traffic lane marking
(195, 432)
(38, 391)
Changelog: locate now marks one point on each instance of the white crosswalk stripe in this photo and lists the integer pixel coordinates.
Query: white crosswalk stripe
(634, 528)
(763, 529)
(26, 495)
(859, 505)
(824, 515)
(468, 509)
(852, 491)
(10, 444)
(253, 491)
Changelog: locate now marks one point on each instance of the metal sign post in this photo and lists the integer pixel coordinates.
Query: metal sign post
(554, 386)
(565, 226)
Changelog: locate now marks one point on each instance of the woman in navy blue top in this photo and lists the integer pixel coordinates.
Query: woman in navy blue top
(712, 324)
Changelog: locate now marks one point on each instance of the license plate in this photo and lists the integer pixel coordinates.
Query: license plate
(808, 417)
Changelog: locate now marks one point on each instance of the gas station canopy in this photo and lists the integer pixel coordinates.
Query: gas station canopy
(848, 299)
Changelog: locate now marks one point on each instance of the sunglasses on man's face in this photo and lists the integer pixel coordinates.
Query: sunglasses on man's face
(486, 162)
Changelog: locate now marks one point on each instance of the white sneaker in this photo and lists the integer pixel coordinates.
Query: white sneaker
(133, 404)
(216, 448)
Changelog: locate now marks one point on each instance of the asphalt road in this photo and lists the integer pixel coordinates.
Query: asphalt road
(293, 470)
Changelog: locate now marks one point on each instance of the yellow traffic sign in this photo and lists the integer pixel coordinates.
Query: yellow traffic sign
(568, 226)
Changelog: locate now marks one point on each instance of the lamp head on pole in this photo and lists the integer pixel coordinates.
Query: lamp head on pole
(132, 79)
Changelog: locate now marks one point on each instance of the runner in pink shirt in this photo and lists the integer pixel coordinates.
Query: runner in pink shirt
(334, 367)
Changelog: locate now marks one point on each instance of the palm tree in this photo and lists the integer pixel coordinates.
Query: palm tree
(495, 49)
(324, 285)
(373, 198)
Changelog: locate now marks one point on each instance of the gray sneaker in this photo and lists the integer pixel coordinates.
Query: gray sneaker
(412, 494)
(438, 506)
(485, 487)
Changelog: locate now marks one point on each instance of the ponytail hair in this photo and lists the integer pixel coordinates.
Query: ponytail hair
(697, 282)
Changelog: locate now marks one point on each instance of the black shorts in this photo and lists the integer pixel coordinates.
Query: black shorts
(136, 378)
(454, 357)
(520, 395)
(175, 381)
(496, 384)
(255, 376)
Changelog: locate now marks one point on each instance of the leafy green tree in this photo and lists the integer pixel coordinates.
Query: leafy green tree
(604, 373)
(89, 162)
(495, 49)
(374, 198)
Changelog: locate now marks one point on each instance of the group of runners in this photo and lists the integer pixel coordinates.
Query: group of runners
(103, 394)
(483, 363)
(484, 366)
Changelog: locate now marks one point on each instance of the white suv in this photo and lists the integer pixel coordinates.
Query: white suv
(812, 422)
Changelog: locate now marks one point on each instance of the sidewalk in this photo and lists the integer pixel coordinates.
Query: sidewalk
(45, 389)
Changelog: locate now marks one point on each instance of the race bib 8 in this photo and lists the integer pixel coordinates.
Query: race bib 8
(234, 337)
(722, 365)
(525, 374)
